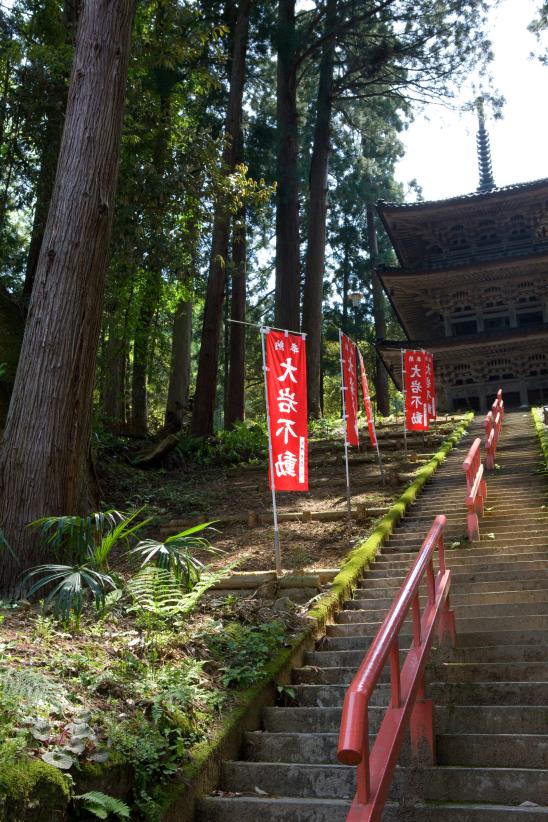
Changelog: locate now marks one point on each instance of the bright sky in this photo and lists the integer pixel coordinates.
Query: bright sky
(441, 145)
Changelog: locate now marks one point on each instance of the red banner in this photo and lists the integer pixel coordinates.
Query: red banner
(430, 386)
(286, 390)
(350, 388)
(416, 406)
(367, 401)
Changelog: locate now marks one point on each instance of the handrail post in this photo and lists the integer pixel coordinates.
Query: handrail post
(395, 685)
(415, 606)
(363, 776)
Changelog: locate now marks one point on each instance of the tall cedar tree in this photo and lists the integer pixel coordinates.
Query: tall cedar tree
(421, 59)
(44, 453)
(288, 281)
(206, 380)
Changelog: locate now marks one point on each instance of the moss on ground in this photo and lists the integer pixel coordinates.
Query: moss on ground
(33, 791)
(542, 432)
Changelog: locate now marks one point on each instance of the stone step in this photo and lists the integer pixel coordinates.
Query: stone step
(462, 581)
(463, 612)
(443, 693)
(475, 639)
(481, 719)
(297, 809)
(501, 562)
(473, 625)
(538, 594)
(520, 654)
(492, 750)
(442, 672)
(473, 750)
(495, 785)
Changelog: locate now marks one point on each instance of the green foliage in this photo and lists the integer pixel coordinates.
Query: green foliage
(244, 650)
(174, 554)
(88, 539)
(32, 689)
(72, 584)
(246, 442)
(101, 805)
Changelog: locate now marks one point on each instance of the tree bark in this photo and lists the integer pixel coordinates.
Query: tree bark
(114, 378)
(179, 375)
(288, 277)
(208, 360)
(235, 406)
(150, 298)
(49, 154)
(317, 216)
(45, 450)
(381, 375)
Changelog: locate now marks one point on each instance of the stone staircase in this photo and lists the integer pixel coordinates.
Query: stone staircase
(491, 692)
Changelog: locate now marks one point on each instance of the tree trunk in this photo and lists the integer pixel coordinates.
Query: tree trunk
(317, 215)
(179, 375)
(235, 406)
(45, 450)
(114, 378)
(345, 285)
(288, 278)
(206, 380)
(150, 298)
(381, 375)
(53, 132)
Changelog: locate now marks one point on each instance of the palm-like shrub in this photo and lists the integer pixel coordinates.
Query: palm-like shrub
(70, 584)
(89, 539)
(175, 554)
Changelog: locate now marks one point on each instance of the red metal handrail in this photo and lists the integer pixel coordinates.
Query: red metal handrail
(493, 427)
(476, 489)
(408, 706)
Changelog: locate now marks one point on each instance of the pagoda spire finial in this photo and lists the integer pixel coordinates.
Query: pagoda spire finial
(486, 181)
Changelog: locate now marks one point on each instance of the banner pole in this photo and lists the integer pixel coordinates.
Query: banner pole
(404, 406)
(277, 552)
(348, 500)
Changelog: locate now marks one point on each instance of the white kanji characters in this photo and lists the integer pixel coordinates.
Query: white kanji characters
(278, 345)
(415, 371)
(286, 401)
(285, 464)
(416, 401)
(416, 417)
(294, 348)
(289, 370)
(286, 429)
(415, 387)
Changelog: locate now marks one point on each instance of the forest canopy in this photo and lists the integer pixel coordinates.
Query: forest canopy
(207, 165)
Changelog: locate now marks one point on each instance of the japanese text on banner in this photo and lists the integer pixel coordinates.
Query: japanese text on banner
(367, 401)
(416, 408)
(430, 386)
(286, 387)
(350, 388)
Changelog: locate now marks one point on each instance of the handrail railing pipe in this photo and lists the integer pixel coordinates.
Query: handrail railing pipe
(408, 706)
(476, 489)
(493, 426)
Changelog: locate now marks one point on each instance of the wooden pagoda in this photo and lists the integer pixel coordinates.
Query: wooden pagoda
(472, 287)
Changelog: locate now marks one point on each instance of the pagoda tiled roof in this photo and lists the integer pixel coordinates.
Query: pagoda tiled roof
(474, 196)
(465, 341)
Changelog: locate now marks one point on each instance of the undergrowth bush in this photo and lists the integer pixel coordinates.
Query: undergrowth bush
(243, 651)
(246, 442)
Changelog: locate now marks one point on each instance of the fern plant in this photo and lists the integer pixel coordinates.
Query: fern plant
(101, 805)
(157, 591)
(175, 554)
